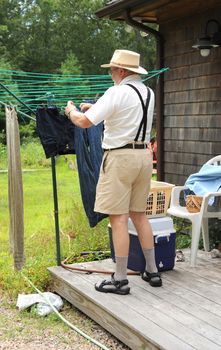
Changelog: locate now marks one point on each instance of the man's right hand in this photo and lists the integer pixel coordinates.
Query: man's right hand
(85, 106)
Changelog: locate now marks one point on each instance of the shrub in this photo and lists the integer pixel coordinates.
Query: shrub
(32, 155)
(3, 158)
(27, 132)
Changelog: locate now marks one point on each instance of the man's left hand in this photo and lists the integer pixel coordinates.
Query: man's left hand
(70, 107)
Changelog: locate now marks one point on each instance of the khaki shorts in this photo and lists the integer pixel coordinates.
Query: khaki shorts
(124, 181)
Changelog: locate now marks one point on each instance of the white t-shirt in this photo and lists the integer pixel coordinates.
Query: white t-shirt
(121, 110)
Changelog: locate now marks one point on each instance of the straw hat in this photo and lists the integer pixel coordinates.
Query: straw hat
(126, 59)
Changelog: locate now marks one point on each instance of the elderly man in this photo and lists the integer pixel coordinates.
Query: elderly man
(123, 186)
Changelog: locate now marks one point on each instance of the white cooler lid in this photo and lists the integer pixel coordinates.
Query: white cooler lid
(159, 226)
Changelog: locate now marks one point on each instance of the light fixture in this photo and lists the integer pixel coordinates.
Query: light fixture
(128, 28)
(210, 39)
(144, 34)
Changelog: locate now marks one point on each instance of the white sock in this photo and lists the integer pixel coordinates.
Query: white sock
(121, 268)
(149, 255)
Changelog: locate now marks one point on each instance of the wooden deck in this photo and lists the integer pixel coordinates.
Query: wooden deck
(183, 314)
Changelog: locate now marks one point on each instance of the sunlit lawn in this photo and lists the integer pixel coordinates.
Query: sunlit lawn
(40, 246)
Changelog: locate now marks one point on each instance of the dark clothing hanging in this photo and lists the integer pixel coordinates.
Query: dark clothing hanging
(56, 132)
(89, 157)
(59, 136)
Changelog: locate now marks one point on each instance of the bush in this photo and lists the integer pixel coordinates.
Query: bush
(183, 233)
(32, 156)
(3, 137)
(214, 232)
(27, 132)
(3, 157)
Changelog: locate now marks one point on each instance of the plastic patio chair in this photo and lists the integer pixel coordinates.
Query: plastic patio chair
(199, 220)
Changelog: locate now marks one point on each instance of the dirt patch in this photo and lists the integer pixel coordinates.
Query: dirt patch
(26, 330)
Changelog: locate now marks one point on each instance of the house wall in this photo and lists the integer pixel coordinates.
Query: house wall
(192, 104)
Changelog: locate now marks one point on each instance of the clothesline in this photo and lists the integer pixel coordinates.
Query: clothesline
(33, 89)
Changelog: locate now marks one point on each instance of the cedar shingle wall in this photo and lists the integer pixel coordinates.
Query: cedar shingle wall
(192, 111)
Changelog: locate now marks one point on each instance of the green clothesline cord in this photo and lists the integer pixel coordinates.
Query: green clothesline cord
(32, 90)
(22, 73)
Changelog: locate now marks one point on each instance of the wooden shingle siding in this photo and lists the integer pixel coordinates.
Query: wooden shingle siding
(192, 98)
(196, 83)
(193, 121)
(194, 108)
(194, 134)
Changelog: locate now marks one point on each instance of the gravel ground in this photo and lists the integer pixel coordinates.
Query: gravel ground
(26, 330)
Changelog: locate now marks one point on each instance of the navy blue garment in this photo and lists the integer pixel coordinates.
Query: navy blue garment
(89, 155)
(55, 131)
(58, 135)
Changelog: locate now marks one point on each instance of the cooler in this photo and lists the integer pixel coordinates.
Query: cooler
(164, 240)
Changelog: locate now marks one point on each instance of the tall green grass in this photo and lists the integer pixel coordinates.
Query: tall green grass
(40, 245)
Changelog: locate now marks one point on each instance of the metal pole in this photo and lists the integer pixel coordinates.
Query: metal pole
(56, 217)
(17, 98)
(50, 98)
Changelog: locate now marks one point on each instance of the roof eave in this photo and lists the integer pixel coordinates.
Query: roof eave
(115, 10)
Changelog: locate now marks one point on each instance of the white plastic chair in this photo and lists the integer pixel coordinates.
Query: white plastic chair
(199, 220)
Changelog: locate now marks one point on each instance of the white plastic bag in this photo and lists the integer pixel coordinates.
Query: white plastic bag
(25, 301)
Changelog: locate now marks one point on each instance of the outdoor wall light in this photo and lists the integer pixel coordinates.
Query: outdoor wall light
(210, 39)
(129, 29)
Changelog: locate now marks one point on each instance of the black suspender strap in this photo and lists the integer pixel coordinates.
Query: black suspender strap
(143, 122)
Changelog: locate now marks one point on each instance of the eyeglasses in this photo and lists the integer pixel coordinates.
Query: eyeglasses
(112, 70)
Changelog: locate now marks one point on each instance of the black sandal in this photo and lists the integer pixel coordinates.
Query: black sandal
(113, 286)
(153, 278)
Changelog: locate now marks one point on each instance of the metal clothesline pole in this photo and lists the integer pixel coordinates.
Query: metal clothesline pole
(56, 212)
(50, 100)
(17, 98)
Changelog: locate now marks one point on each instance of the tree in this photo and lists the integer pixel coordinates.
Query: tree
(71, 65)
(40, 35)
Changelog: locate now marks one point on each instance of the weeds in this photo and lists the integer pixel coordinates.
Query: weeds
(40, 248)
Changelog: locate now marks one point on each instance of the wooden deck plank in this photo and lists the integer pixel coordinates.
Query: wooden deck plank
(193, 330)
(195, 299)
(196, 284)
(183, 314)
(113, 314)
(205, 268)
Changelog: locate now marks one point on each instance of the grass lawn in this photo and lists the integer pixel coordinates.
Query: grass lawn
(40, 248)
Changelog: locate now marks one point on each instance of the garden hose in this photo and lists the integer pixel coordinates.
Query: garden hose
(94, 341)
(82, 269)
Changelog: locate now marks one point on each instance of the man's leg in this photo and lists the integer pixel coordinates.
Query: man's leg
(145, 236)
(120, 236)
(118, 283)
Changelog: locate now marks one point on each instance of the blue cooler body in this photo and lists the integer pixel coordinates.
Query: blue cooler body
(164, 240)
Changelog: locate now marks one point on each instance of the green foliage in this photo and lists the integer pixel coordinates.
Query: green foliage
(71, 65)
(183, 233)
(3, 157)
(27, 131)
(32, 156)
(5, 79)
(4, 63)
(40, 36)
(214, 232)
(182, 241)
(2, 138)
